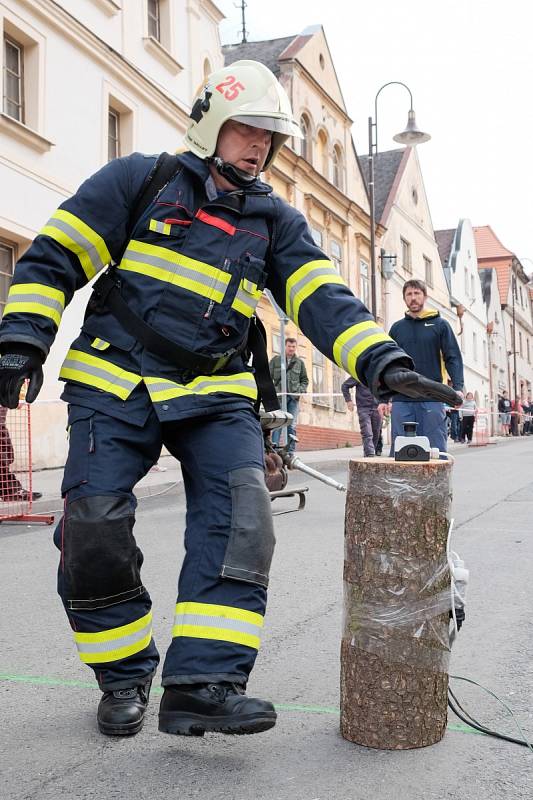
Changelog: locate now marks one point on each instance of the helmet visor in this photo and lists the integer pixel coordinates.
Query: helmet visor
(284, 126)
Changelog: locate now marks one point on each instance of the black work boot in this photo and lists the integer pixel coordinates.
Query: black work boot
(121, 712)
(194, 709)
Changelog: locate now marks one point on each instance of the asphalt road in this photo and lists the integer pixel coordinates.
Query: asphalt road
(49, 744)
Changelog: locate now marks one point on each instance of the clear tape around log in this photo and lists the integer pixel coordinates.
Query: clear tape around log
(406, 621)
(396, 488)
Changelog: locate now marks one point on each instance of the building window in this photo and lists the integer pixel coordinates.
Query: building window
(154, 19)
(323, 156)
(474, 345)
(336, 255)
(338, 168)
(13, 104)
(113, 135)
(8, 256)
(319, 379)
(472, 287)
(406, 255)
(338, 380)
(276, 343)
(364, 283)
(528, 353)
(467, 283)
(305, 143)
(520, 342)
(317, 236)
(428, 271)
(484, 353)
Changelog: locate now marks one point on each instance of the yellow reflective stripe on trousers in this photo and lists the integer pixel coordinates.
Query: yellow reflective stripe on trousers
(115, 643)
(305, 281)
(98, 373)
(74, 234)
(242, 383)
(246, 298)
(175, 268)
(222, 623)
(354, 341)
(36, 298)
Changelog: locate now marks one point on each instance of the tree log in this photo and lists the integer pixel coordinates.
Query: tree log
(395, 648)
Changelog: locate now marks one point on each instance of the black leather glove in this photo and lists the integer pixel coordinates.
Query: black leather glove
(18, 362)
(406, 381)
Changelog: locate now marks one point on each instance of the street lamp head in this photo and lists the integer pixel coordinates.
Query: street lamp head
(411, 136)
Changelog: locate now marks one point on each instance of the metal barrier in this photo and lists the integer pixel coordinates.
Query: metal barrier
(16, 492)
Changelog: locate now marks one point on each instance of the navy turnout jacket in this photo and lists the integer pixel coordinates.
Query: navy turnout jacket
(194, 268)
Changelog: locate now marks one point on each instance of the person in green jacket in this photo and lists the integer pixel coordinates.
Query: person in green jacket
(297, 383)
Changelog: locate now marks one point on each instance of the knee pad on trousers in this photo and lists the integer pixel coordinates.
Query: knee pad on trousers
(251, 541)
(101, 561)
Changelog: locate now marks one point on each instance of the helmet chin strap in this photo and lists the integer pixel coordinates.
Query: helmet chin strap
(238, 177)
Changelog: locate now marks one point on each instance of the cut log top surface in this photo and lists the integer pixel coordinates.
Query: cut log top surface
(376, 463)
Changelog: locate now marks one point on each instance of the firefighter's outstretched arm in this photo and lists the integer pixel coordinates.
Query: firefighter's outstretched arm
(308, 287)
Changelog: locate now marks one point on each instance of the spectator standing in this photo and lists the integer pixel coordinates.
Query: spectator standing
(369, 414)
(297, 383)
(429, 340)
(468, 417)
(504, 411)
(516, 416)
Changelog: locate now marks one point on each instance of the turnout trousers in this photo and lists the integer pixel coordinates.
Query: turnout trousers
(229, 543)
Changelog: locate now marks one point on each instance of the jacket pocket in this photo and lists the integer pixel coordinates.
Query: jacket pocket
(251, 541)
(105, 330)
(245, 290)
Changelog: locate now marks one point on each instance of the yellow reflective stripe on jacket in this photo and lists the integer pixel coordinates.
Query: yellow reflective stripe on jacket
(242, 383)
(35, 298)
(159, 227)
(354, 341)
(222, 623)
(98, 373)
(164, 265)
(306, 280)
(99, 344)
(114, 643)
(74, 234)
(246, 298)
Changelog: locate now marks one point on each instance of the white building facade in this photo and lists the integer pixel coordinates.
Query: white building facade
(86, 81)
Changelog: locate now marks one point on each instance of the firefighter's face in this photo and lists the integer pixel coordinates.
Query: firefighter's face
(244, 146)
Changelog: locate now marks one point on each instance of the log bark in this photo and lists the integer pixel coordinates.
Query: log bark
(394, 651)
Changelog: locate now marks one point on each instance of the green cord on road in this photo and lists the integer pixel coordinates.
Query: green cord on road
(42, 680)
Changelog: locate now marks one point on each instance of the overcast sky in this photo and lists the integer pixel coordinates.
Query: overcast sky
(469, 65)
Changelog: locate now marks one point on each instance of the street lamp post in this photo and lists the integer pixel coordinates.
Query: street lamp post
(410, 137)
(514, 418)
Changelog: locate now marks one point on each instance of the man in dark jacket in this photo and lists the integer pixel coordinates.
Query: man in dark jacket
(369, 414)
(431, 343)
(297, 383)
(160, 360)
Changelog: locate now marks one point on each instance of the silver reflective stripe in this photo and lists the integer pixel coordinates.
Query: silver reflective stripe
(355, 340)
(42, 299)
(80, 240)
(114, 644)
(179, 270)
(98, 372)
(203, 621)
(315, 272)
(246, 299)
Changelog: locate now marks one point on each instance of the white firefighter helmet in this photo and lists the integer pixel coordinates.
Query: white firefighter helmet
(245, 91)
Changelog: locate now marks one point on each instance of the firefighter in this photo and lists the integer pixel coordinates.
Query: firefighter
(160, 361)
